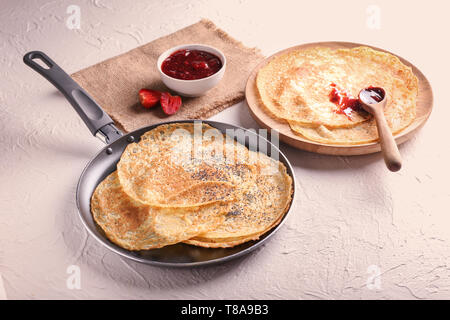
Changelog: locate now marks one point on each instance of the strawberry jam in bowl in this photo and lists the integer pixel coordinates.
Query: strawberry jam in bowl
(191, 69)
(187, 64)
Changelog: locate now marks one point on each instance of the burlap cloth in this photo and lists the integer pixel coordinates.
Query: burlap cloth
(115, 83)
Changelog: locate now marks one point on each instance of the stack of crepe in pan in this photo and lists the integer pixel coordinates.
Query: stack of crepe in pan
(295, 88)
(190, 183)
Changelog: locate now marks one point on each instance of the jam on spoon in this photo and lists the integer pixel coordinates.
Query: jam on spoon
(372, 95)
(189, 64)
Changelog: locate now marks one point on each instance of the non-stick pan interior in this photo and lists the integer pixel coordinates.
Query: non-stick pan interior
(180, 254)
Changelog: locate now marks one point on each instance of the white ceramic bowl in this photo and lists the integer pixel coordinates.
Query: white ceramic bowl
(192, 88)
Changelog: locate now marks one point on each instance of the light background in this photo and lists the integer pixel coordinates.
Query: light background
(350, 214)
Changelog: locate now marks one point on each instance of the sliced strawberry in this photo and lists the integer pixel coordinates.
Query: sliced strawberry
(170, 104)
(149, 98)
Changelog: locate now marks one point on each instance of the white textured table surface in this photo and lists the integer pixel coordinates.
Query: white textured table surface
(352, 217)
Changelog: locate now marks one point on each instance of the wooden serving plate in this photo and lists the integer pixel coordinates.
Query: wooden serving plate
(423, 109)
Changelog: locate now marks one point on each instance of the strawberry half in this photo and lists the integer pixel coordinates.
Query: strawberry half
(170, 104)
(149, 98)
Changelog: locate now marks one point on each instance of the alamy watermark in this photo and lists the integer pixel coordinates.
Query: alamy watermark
(2, 289)
(373, 20)
(211, 147)
(374, 280)
(73, 281)
(74, 19)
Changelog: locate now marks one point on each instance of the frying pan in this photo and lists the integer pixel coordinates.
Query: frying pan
(102, 126)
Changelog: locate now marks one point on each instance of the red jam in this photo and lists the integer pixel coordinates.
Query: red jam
(372, 95)
(346, 103)
(191, 64)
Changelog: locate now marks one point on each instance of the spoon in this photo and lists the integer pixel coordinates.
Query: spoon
(373, 100)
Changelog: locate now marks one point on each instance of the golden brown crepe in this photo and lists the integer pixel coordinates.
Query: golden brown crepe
(135, 226)
(170, 187)
(259, 206)
(163, 164)
(295, 88)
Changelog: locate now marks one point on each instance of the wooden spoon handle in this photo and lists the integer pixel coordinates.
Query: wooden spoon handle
(391, 155)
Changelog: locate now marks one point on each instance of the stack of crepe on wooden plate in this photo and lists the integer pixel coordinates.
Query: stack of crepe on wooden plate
(295, 88)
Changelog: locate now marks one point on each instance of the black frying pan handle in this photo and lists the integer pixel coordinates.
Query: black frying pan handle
(89, 111)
